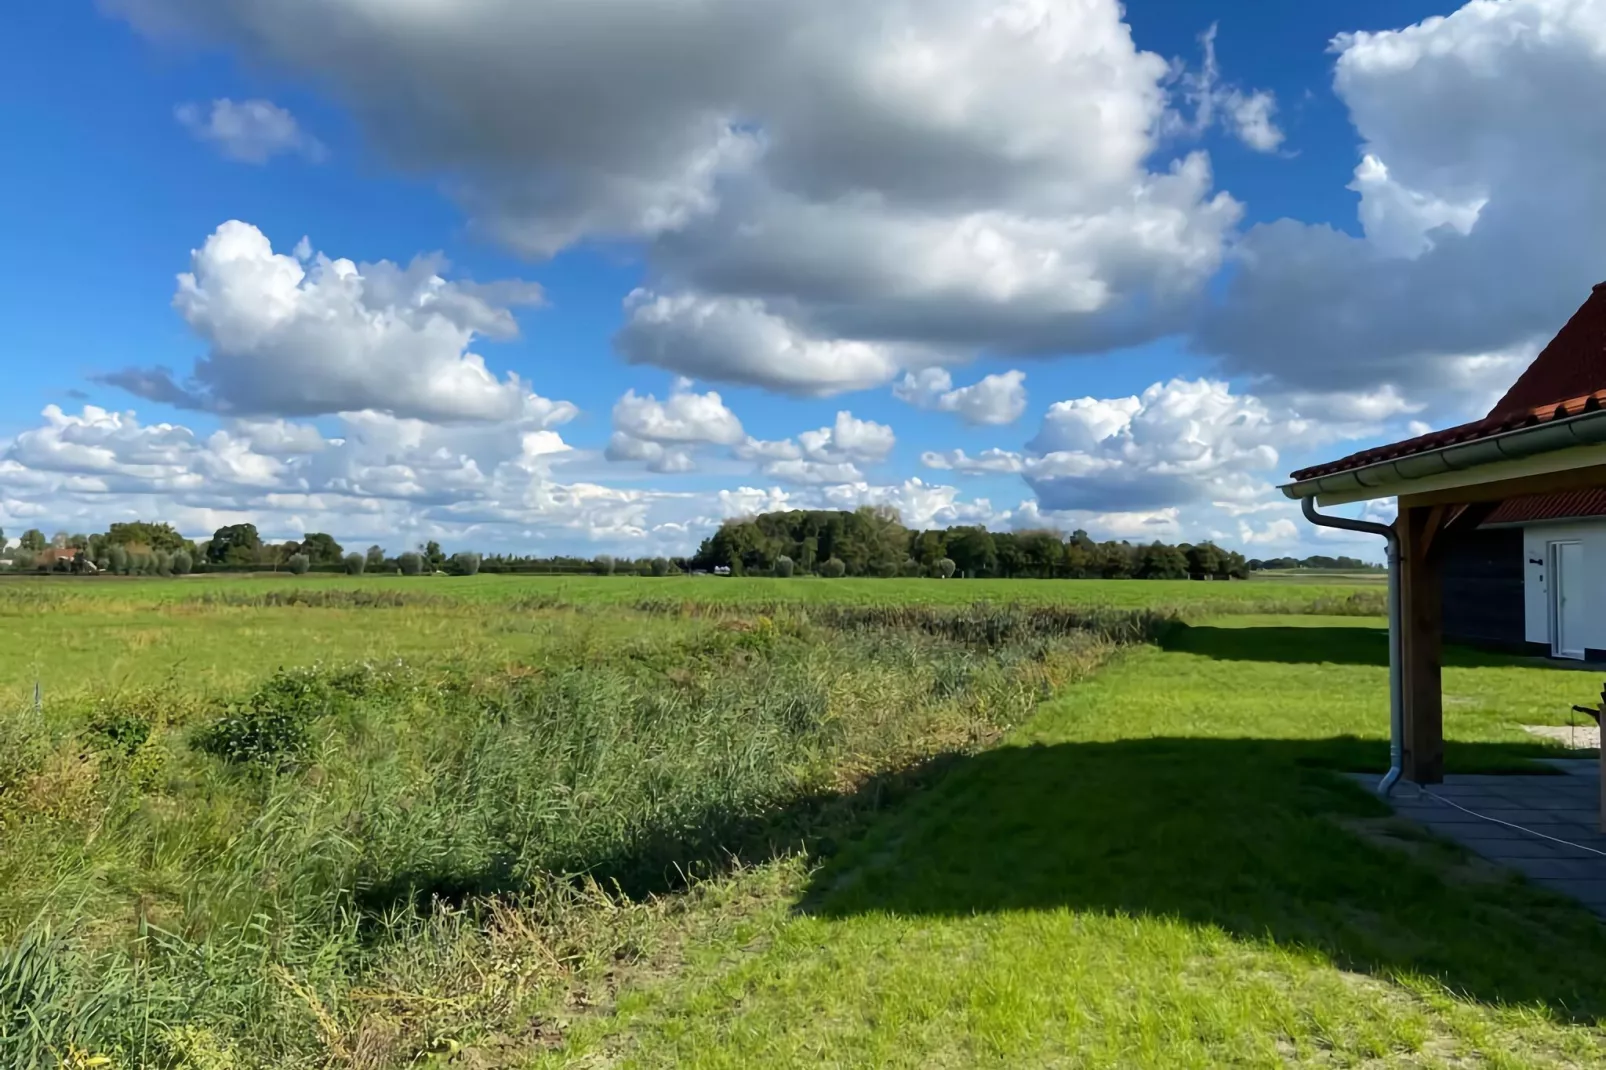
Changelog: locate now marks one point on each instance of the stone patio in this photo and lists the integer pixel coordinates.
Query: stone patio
(1565, 807)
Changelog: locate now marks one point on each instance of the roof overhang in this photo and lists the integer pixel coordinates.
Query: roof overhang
(1558, 446)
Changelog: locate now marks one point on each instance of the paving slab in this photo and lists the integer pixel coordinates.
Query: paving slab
(1546, 828)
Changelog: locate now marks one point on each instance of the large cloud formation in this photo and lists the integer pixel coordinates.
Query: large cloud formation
(1480, 205)
(304, 335)
(829, 192)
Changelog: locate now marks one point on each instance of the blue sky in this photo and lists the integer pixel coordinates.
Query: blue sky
(833, 208)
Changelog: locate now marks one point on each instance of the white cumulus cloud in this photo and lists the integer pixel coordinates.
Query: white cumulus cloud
(828, 455)
(664, 434)
(995, 400)
(287, 338)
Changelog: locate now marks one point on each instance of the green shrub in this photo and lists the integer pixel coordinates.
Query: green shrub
(162, 563)
(660, 566)
(117, 560)
(911, 568)
(603, 565)
(833, 569)
(120, 727)
(410, 563)
(354, 563)
(784, 566)
(946, 568)
(182, 563)
(273, 728)
(298, 564)
(466, 564)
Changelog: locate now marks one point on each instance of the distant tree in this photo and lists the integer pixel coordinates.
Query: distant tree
(149, 536)
(912, 568)
(33, 540)
(660, 566)
(946, 568)
(22, 560)
(410, 563)
(355, 563)
(1205, 560)
(1157, 561)
(321, 549)
(603, 565)
(784, 566)
(182, 563)
(162, 563)
(117, 559)
(434, 556)
(466, 563)
(237, 544)
(375, 558)
(834, 569)
(298, 564)
(929, 547)
(973, 550)
(1114, 560)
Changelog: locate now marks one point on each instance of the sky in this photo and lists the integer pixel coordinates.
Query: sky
(590, 276)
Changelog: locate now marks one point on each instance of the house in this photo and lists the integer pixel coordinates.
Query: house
(1497, 530)
(1532, 578)
(49, 557)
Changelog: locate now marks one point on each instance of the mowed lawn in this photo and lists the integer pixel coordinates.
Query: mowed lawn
(1166, 867)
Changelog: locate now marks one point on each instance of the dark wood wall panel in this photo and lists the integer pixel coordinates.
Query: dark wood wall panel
(1483, 577)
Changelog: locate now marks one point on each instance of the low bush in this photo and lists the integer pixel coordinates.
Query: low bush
(784, 566)
(354, 564)
(833, 569)
(410, 563)
(298, 564)
(273, 728)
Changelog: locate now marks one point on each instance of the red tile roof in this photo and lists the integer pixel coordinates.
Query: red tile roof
(1572, 365)
(1580, 503)
(1568, 377)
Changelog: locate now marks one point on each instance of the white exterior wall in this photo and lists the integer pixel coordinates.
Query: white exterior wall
(1536, 577)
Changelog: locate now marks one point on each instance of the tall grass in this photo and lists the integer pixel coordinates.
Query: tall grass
(363, 864)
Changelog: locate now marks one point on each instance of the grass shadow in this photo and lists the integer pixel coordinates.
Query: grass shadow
(1358, 645)
(1265, 839)
(1261, 838)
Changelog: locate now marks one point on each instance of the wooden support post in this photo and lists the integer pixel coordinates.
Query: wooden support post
(1423, 623)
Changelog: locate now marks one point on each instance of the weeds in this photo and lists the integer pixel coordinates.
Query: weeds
(366, 864)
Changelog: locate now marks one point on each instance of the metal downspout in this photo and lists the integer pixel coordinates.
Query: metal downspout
(1396, 638)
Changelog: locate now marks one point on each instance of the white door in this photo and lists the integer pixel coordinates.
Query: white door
(1567, 599)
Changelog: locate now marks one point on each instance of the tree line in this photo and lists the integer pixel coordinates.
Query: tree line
(874, 542)
(864, 542)
(147, 548)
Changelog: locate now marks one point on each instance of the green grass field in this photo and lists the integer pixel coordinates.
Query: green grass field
(735, 823)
